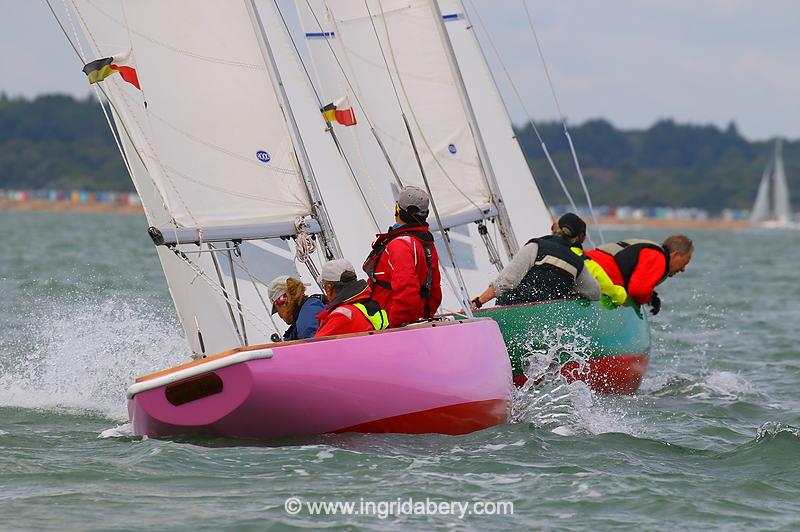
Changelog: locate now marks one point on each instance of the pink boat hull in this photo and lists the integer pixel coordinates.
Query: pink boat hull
(450, 378)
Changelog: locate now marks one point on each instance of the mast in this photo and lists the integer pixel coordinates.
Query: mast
(506, 230)
(305, 166)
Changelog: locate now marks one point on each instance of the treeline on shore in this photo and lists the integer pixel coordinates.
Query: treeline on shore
(59, 142)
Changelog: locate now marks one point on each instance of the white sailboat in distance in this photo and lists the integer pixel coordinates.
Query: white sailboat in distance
(776, 213)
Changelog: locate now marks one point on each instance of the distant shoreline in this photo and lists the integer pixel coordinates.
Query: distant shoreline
(99, 207)
(662, 223)
(42, 205)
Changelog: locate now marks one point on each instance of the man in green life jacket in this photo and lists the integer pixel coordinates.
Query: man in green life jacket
(351, 309)
(545, 269)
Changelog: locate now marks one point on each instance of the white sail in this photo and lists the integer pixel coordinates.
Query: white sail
(773, 186)
(213, 153)
(372, 58)
(760, 210)
(524, 203)
(781, 205)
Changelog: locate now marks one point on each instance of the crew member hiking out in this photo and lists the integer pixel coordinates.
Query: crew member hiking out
(545, 269)
(351, 310)
(640, 265)
(403, 266)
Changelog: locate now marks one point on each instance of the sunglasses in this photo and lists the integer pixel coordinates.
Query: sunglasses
(279, 301)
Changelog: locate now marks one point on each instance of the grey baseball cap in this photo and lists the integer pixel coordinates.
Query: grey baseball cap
(411, 196)
(339, 270)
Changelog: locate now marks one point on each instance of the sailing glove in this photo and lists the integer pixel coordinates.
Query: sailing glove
(655, 304)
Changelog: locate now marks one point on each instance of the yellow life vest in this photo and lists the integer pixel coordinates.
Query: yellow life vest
(378, 318)
(615, 293)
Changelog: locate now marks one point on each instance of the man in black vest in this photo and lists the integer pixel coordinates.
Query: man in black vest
(545, 269)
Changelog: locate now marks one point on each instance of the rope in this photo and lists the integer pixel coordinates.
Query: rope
(564, 123)
(305, 245)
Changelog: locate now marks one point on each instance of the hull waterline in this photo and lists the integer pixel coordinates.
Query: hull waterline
(608, 349)
(450, 378)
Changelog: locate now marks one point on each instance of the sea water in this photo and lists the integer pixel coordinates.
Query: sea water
(711, 440)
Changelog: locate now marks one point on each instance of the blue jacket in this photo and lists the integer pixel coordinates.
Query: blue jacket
(305, 322)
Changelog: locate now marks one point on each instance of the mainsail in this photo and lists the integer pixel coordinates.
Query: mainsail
(524, 203)
(420, 60)
(219, 155)
(388, 58)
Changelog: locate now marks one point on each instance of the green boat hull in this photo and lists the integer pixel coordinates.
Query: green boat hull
(607, 348)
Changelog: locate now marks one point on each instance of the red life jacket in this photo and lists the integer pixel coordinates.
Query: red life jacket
(429, 293)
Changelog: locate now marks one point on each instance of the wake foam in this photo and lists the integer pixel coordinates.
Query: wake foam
(547, 401)
(83, 356)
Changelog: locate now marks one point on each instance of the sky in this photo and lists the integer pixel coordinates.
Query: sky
(629, 61)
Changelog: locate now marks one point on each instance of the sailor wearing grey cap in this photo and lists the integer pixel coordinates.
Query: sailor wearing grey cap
(351, 308)
(545, 269)
(299, 311)
(403, 266)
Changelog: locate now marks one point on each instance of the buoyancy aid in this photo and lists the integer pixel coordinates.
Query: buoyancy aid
(552, 276)
(313, 301)
(626, 255)
(616, 294)
(421, 233)
(341, 318)
(374, 313)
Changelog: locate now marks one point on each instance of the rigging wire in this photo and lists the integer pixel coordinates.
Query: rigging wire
(357, 99)
(521, 102)
(330, 128)
(413, 113)
(445, 236)
(197, 269)
(564, 123)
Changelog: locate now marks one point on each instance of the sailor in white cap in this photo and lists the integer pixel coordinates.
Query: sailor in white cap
(299, 311)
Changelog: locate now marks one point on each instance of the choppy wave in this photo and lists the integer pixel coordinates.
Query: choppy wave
(714, 385)
(84, 355)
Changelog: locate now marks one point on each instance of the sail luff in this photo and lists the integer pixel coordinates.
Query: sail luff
(300, 150)
(522, 197)
(504, 222)
(761, 209)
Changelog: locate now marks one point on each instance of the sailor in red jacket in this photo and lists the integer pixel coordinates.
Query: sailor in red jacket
(640, 265)
(351, 308)
(403, 267)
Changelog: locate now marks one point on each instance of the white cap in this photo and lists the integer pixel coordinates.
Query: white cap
(277, 288)
(337, 271)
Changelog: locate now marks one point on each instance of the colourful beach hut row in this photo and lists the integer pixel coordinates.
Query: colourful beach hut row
(639, 213)
(71, 196)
